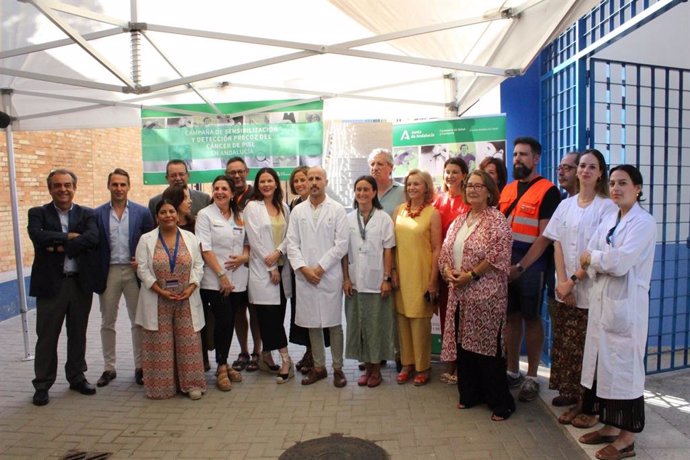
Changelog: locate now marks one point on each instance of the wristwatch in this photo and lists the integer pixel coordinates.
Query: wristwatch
(387, 279)
(474, 275)
(519, 267)
(574, 279)
(220, 274)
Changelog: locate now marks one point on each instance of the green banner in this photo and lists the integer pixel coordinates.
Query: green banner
(278, 139)
(427, 145)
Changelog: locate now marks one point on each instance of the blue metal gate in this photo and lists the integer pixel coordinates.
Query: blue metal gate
(640, 114)
(633, 113)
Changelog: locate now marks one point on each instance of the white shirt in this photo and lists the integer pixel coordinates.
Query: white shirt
(365, 256)
(573, 226)
(224, 238)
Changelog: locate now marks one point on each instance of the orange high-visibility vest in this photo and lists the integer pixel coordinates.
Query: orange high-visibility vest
(524, 218)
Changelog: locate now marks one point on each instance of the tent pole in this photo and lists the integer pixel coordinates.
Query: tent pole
(18, 253)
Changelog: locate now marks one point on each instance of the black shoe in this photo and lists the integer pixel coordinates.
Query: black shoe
(83, 387)
(139, 376)
(41, 398)
(106, 377)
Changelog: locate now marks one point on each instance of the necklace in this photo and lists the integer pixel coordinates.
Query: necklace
(413, 214)
(583, 201)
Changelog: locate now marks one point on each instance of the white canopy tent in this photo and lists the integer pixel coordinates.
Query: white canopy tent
(96, 63)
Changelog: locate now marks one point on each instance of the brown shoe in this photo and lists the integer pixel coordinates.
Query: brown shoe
(595, 437)
(611, 453)
(339, 379)
(314, 375)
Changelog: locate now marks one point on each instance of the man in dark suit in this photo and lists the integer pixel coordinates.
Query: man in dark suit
(176, 173)
(65, 236)
(120, 225)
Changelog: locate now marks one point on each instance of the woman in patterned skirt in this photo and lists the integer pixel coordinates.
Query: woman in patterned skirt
(474, 261)
(169, 309)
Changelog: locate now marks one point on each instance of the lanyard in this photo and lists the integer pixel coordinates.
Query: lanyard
(363, 223)
(612, 230)
(172, 260)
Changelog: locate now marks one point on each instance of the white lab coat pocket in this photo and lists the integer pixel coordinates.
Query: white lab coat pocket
(618, 308)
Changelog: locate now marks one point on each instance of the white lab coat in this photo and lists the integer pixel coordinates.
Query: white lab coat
(260, 234)
(324, 242)
(365, 257)
(619, 305)
(147, 306)
(573, 227)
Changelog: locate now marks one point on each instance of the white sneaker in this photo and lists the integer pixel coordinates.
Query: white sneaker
(195, 394)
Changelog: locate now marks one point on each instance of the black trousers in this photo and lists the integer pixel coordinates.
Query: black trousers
(224, 308)
(271, 319)
(72, 305)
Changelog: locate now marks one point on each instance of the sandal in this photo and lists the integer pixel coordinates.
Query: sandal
(267, 366)
(422, 378)
(584, 421)
(222, 379)
(241, 362)
(568, 416)
(233, 375)
(501, 416)
(305, 364)
(253, 364)
(404, 375)
(595, 437)
(611, 453)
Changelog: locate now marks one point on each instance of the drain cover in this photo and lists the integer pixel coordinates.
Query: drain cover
(335, 447)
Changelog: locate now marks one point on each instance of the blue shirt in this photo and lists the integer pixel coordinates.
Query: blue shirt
(119, 237)
(70, 265)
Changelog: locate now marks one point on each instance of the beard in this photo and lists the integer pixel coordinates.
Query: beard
(521, 171)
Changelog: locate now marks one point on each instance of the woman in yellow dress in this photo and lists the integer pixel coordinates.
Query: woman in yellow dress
(418, 239)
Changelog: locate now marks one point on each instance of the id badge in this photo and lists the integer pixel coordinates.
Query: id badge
(171, 285)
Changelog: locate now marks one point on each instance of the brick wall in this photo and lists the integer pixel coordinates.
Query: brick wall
(90, 153)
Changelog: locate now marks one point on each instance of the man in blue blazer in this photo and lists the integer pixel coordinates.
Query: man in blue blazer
(65, 237)
(120, 225)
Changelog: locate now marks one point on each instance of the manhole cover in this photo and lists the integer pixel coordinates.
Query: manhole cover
(335, 447)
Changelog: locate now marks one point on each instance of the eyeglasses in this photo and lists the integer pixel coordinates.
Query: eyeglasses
(565, 168)
(237, 172)
(475, 186)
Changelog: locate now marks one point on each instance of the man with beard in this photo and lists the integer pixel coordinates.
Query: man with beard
(528, 202)
(317, 240)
